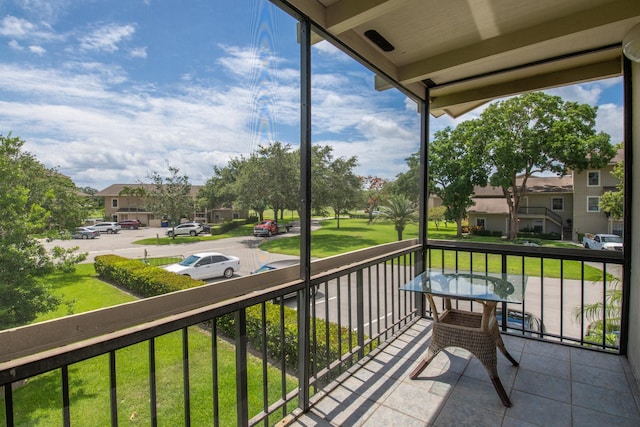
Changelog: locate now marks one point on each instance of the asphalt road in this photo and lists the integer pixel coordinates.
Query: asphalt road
(121, 243)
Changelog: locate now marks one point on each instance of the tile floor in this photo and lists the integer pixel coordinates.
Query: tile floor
(553, 386)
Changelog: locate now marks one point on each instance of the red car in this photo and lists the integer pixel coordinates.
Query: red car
(131, 224)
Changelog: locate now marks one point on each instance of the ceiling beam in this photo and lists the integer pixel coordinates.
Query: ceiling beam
(599, 70)
(609, 13)
(347, 14)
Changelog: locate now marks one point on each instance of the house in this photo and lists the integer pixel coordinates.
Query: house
(126, 201)
(567, 205)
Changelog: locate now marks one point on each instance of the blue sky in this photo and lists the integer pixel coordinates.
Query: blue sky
(109, 91)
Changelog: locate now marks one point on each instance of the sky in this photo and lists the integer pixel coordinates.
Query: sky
(110, 91)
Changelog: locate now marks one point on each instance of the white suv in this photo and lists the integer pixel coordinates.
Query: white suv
(108, 227)
(186, 229)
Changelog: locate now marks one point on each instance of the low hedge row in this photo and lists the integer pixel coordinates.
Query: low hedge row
(321, 354)
(139, 278)
(147, 281)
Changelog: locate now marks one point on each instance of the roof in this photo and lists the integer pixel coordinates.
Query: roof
(460, 54)
(114, 189)
(535, 184)
(491, 205)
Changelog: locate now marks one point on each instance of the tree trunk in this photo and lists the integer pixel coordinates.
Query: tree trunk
(459, 228)
(399, 230)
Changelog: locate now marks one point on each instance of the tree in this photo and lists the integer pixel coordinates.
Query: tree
(343, 185)
(438, 214)
(373, 187)
(170, 196)
(612, 202)
(281, 182)
(537, 133)
(455, 168)
(399, 210)
(607, 314)
(250, 186)
(408, 183)
(33, 200)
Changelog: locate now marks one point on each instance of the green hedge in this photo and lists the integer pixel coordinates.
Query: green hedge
(139, 278)
(319, 355)
(147, 281)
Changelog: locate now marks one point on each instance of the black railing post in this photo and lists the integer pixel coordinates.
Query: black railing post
(8, 404)
(360, 311)
(503, 305)
(241, 367)
(113, 395)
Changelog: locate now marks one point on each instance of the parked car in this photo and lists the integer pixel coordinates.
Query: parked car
(107, 227)
(604, 242)
(516, 320)
(206, 228)
(186, 229)
(282, 264)
(130, 224)
(268, 228)
(85, 233)
(205, 265)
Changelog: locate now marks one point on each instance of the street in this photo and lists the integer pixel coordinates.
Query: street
(121, 243)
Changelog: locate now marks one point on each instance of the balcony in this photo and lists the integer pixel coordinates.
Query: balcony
(357, 339)
(554, 385)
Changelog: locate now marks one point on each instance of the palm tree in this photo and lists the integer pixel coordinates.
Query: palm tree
(400, 211)
(607, 313)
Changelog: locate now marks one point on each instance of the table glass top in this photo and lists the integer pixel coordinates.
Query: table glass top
(467, 285)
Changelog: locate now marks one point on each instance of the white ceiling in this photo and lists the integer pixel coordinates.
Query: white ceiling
(472, 51)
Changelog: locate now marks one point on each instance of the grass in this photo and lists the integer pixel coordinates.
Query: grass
(82, 291)
(243, 230)
(356, 234)
(38, 403)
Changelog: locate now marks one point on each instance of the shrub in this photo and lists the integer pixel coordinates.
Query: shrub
(320, 354)
(139, 278)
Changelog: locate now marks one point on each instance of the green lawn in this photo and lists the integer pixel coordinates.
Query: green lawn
(356, 234)
(38, 403)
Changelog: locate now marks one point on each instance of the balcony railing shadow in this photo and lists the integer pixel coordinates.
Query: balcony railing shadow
(236, 355)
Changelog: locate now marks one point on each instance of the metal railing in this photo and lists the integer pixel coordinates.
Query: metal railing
(227, 354)
(543, 211)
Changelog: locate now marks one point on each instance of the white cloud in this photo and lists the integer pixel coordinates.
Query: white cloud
(13, 44)
(139, 52)
(107, 37)
(21, 29)
(610, 120)
(18, 28)
(327, 50)
(38, 50)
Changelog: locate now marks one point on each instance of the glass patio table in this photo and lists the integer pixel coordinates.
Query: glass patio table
(476, 332)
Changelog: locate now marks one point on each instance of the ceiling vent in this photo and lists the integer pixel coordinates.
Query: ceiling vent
(379, 41)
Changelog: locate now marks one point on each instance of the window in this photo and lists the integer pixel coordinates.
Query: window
(593, 179)
(114, 203)
(481, 222)
(557, 204)
(592, 204)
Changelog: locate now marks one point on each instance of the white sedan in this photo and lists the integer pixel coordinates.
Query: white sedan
(205, 265)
